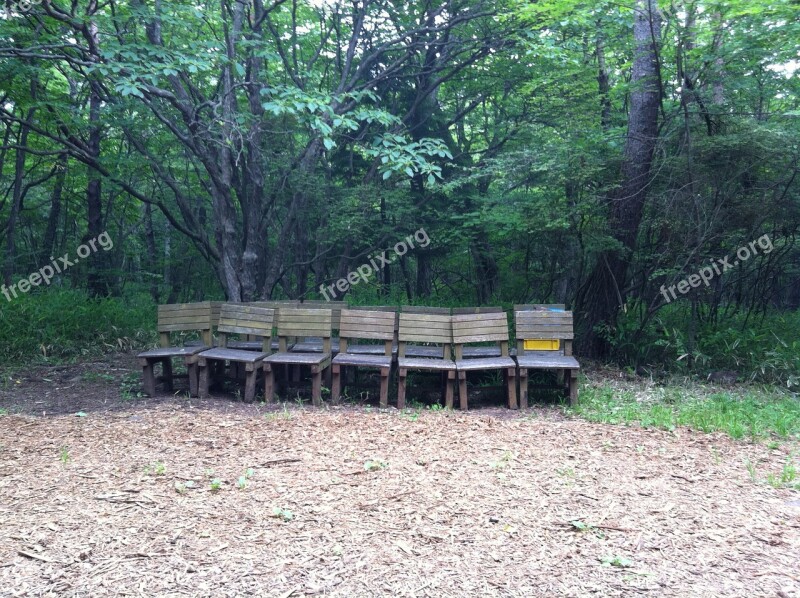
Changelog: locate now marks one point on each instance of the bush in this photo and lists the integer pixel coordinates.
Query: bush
(65, 324)
(764, 349)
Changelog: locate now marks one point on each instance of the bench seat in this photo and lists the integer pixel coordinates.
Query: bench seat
(547, 360)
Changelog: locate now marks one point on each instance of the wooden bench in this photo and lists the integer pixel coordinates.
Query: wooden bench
(544, 342)
(483, 328)
(425, 328)
(363, 325)
(296, 322)
(178, 317)
(240, 319)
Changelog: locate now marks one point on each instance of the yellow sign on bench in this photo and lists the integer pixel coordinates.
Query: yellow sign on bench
(553, 344)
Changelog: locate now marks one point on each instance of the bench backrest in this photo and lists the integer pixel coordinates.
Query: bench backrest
(334, 306)
(480, 328)
(387, 308)
(457, 311)
(251, 320)
(544, 326)
(301, 322)
(362, 324)
(425, 328)
(181, 317)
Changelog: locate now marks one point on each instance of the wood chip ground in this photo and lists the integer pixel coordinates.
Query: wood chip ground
(350, 502)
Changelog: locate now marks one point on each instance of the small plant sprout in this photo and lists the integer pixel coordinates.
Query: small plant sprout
(216, 485)
(241, 483)
(751, 470)
(284, 514)
(616, 561)
(504, 461)
(375, 465)
(157, 468)
(63, 455)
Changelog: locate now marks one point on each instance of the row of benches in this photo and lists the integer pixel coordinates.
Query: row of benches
(427, 339)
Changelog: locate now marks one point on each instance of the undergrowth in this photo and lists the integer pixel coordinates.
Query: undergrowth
(64, 325)
(750, 413)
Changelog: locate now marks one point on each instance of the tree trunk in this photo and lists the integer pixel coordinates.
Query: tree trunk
(49, 241)
(16, 201)
(150, 244)
(604, 293)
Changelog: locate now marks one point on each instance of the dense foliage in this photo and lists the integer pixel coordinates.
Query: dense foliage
(551, 151)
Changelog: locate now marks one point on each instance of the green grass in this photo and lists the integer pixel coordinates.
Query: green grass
(751, 414)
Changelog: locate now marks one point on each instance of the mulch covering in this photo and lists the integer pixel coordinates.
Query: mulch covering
(350, 502)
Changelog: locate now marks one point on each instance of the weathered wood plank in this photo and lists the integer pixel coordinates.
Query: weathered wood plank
(361, 360)
(298, 358)
(485, 363)
(222, 353)
(547, 360)
(476, 310)
(416, 363)
(421, 309)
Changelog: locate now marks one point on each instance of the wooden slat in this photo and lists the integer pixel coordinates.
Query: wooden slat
(476, 310)
(233, 355)
(360, 359)
(184, 327)
(543, 316)
(539, 306)
(421, 309)
(421, 363)
(485, 363)
(324, 304)
(547, 360)
(391, 308)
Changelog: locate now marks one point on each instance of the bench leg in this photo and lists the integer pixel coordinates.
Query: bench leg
(202, 378)
(462, 390)
(316, 387)
(148, 377)
(327, 374)
(448, 390)
(511, 385)
(166, 369)
(191, 372)
(401, 388)
(336, 383)
(269, 383)
(523, 388)
(573, 388)
(384, 388)
(250, 383)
